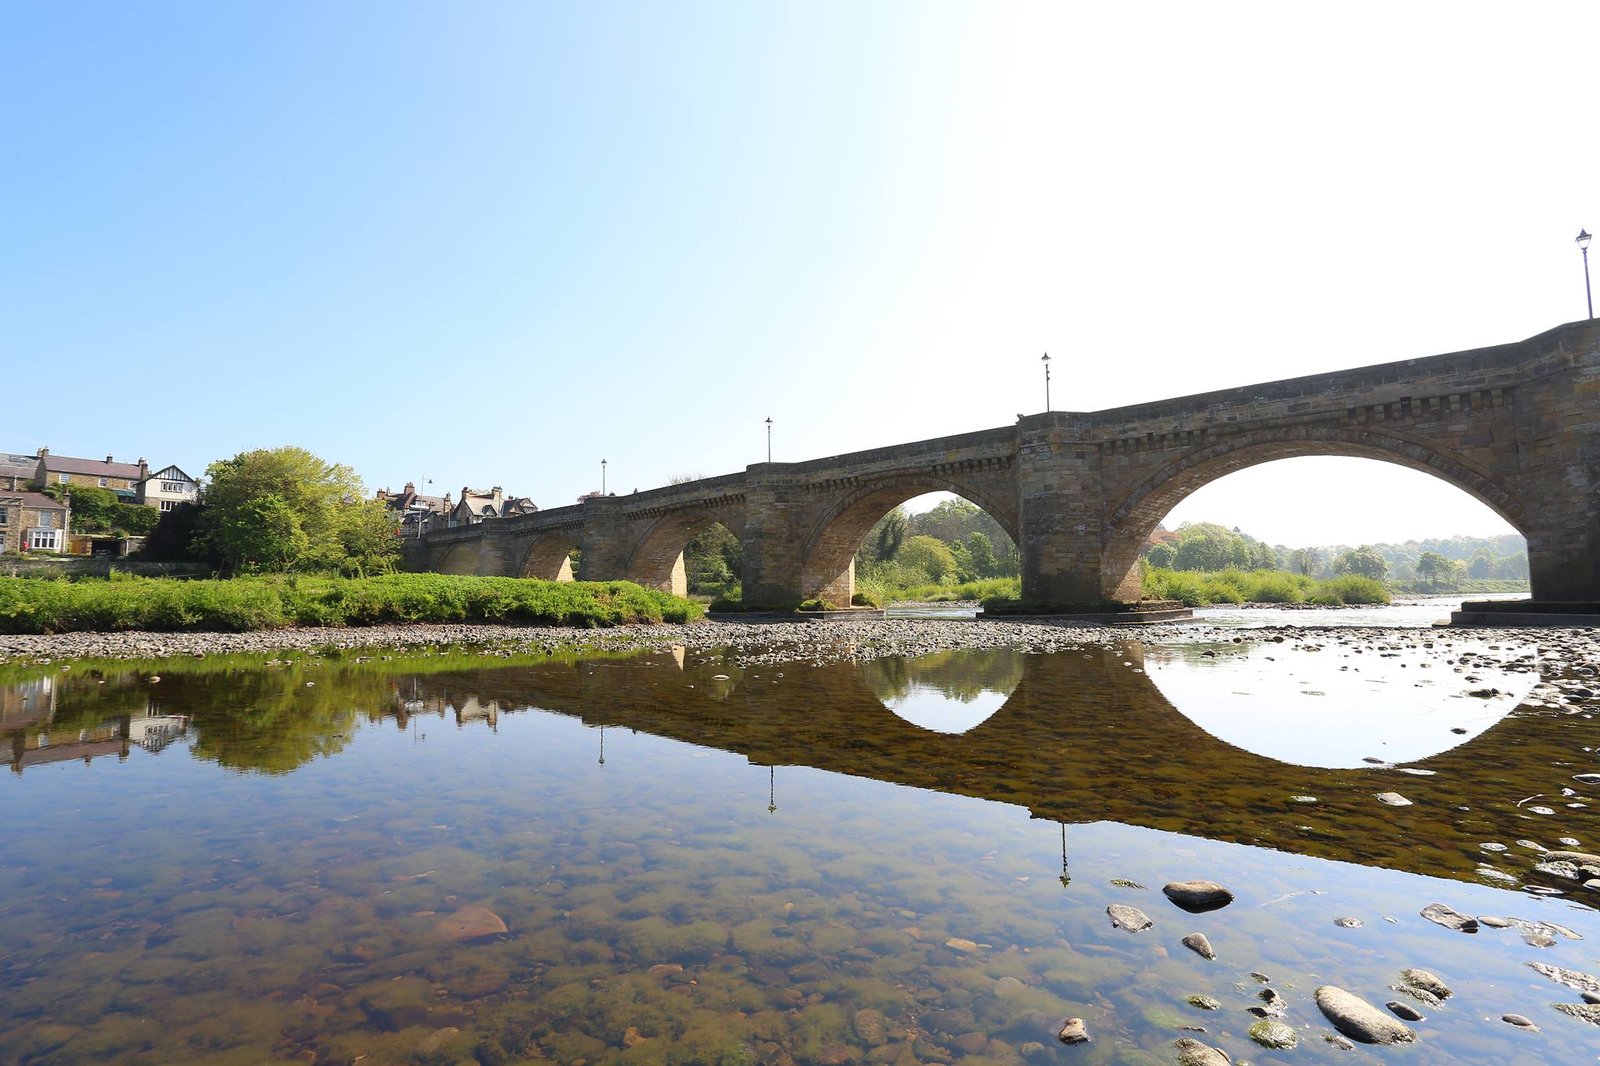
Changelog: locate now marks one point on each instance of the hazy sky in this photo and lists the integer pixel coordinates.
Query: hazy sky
(491, 243)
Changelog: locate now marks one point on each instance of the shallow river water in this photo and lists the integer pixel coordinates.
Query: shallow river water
(673, 858)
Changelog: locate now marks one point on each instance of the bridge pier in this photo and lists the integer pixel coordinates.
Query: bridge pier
(1059, 503)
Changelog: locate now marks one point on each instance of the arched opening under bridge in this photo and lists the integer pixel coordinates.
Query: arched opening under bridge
(1420, 523)
(897, 540)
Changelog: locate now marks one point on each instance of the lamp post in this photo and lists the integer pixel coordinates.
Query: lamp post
(1045, 359)
(602, 477)
(1583, 246)
(772, 784)
(769, 439)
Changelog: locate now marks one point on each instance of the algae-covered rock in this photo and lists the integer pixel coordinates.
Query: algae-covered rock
(1271, 1033)
(1192, 1052)
(469, 923)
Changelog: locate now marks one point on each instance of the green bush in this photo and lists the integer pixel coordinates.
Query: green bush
(32, 605)
(1198, 589)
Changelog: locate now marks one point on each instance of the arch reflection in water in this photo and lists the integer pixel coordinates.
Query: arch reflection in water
(1344, 705)
(948, 691)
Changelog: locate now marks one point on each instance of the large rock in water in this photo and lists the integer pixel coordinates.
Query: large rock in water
(1132, 919)
(1198, 896)
(1193, 1053)
(470, 923)
(1450, 918)
(1360, 1020)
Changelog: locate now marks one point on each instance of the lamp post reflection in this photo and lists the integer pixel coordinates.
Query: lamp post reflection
(602, 745)
(772, 784)
(1066, 878)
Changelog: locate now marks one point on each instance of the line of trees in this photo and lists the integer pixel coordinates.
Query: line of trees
(1439, 564)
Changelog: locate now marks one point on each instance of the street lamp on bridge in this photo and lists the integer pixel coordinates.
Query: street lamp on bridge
(602, 477)
(769, 438)
(1045, 359)
(1583, 246)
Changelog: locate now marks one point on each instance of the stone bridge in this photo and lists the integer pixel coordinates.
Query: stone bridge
(1517, 426)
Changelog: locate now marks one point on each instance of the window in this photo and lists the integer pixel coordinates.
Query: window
(4, 515)
(103, 482)
(47, 540)
(167, 505)
(172, 486)
(63, 479)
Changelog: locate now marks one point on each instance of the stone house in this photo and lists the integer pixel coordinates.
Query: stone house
(17, 471)
(166, 488)
(121, 478)
(417, 513)
(476, 505)
(32, 521)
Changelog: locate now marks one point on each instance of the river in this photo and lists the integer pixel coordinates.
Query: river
(693, 856)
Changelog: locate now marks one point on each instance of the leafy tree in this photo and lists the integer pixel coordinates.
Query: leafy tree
(1161, 555)
(1431, 567)
(1363, 562)
(302, 500)
(93, 509)
(262, 533)
(980, 549)
(883, 540)
(713, 560)
(135, 519)
(1307, 561)
(930, 557)
(369, 540)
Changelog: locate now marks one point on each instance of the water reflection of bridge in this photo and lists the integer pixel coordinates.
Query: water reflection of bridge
(1084, 737)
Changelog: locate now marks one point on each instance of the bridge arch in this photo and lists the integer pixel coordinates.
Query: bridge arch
(548, 556)
(657, 558)
(459, 558)
(828, 555)
(1130, 524)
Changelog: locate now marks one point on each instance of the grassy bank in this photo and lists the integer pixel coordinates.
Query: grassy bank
(880, 592)
(252, 603)
(1200, 589)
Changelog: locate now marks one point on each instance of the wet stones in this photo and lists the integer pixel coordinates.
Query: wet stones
(1192, 1052)
(1427, 981)
(1519, 1022)
(469, 923)
(1197, 943)
(1573, 979)
(1360, 1020)
(871, 1027)
(1450, 918)
(1271, 1033)
(1404, 1011)
(1197, 896)
(1131, 919)
(1073, 1031)
(1203, 1003)
(1587, 1012)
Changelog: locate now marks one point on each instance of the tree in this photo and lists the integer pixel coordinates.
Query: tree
(1161, 555)
(1363, 562)
(369, 540)
(1431, 566)
(93, 509)
(303, 499)
(1307, 561)
(980, 549)
(929, 557)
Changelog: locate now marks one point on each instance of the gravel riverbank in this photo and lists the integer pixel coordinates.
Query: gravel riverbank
(819, 641)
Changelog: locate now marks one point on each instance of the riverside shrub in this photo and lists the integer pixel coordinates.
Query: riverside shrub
(31, 605)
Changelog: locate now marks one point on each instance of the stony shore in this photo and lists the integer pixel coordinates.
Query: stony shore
(817, 640)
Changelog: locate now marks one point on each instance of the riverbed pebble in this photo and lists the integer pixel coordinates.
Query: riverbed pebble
(1196, 896)
(1360, 1020)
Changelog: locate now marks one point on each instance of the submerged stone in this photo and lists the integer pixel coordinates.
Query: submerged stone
(1132, 919)
(1360, 1020)
(1192, 1052)
(470, 923)
(1270, 1033)
(1073, 1031)
(1426, 980)
(1197, 943)
(1450, 918)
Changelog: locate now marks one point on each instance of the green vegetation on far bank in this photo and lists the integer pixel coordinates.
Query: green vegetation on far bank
(30, 605)
(1202, 589)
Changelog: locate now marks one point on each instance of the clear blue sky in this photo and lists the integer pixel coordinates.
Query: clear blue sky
(495, 243)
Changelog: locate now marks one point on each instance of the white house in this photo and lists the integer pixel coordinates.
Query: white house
(166, 488)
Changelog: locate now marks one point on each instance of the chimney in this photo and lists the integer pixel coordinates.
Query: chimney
(108, 460)
(43, 452)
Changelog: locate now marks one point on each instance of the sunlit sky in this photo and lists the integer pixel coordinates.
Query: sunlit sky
(496, 243)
